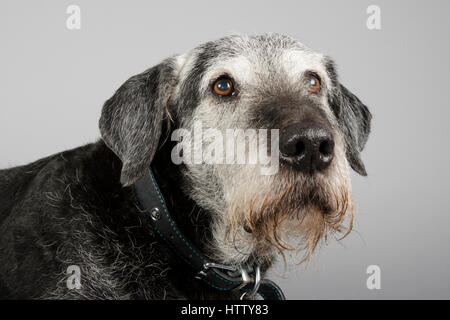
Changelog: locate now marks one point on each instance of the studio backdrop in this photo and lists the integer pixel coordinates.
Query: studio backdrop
(61, 60)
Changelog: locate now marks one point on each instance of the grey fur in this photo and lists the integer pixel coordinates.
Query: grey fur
(132, 119)
(354, 119)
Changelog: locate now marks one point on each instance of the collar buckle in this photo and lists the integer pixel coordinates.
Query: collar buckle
(244, 277)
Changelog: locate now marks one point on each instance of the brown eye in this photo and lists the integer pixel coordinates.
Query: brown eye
(313, 83)
(223, 86)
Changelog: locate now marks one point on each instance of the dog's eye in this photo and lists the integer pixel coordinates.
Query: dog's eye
(223, 86)
(313, 83)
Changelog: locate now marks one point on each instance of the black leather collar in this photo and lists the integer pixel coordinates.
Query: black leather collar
(218, 276)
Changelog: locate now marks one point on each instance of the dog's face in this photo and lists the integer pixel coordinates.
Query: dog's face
(316, 129)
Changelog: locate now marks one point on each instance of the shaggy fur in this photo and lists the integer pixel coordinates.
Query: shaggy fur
(78, 207)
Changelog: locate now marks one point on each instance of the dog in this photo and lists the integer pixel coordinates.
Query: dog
(79, 209)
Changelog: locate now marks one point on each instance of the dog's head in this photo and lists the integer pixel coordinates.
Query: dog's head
(282, 99)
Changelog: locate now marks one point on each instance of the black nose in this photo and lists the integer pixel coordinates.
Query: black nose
(307, 146)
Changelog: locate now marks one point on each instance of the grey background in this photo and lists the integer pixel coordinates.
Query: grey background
(53, 83)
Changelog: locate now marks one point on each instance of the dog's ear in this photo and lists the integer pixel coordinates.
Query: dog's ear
(132, 119)
(354, 119)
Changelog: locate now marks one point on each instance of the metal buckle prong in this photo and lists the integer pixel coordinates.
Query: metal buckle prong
(209, 265)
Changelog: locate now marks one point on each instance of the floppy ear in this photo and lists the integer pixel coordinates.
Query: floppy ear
(354, 119)
(132, 119)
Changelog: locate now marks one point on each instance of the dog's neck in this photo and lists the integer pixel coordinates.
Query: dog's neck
(149, 196)
(193, 221)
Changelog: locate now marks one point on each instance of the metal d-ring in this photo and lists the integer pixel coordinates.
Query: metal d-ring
(255, 286)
